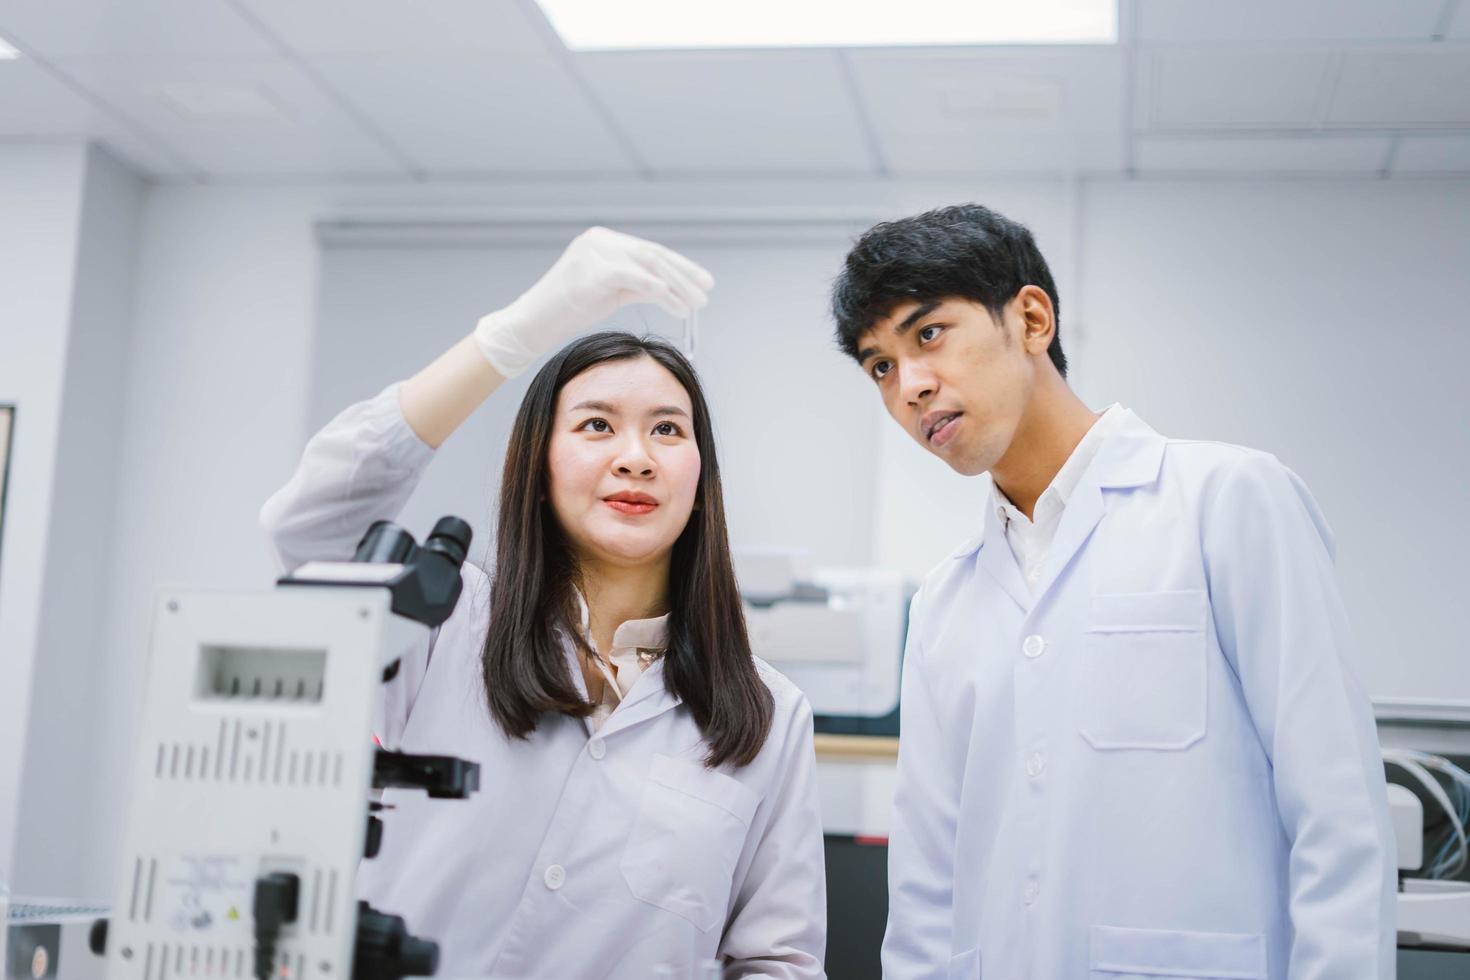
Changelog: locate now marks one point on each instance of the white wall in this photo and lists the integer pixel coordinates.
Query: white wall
(215, 411)
(222, 379)
(40, 208)
(57, 795)
(789, 416)
(1328, 324)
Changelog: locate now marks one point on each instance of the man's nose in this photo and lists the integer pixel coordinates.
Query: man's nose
(916, 383)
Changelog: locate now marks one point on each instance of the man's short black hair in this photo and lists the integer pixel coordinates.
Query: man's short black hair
(966, 251)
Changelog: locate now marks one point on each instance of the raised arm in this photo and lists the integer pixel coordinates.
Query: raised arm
(365, 464)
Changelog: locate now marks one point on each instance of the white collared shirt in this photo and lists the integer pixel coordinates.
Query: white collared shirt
(1030, 539)
(622, 666)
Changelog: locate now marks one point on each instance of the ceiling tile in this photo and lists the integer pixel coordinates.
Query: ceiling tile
(1297, 20)
(1432, 154)
(462, 113)
(787, 111)
(1212, 88)
(144, 155)
(1425, 86)
(389, 27)
(33, 103)
(282, 124)
(131, 29)
(1035, 111)
(1317, 155)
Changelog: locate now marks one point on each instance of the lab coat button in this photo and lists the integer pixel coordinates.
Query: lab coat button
(556, 876)
(597, 748)
(1036, 765)
(1032, 892)
(1033, 646)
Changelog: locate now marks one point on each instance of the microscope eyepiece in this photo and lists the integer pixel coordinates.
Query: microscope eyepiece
(451, 536)
(385, 542)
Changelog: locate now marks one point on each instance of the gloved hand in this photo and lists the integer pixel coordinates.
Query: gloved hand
(600, 271)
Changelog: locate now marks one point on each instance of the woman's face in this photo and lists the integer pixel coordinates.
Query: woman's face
(623, 463)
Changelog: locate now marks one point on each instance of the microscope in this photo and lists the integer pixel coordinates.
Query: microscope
(252, 786)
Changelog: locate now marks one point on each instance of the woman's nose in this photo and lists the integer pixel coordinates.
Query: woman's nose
(634, 460)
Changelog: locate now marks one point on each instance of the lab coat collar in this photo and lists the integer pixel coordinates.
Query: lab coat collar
(1131, 456)
(649, 698)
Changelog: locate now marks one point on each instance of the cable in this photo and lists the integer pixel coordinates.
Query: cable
(1414, 764)
(276, 898)
(1445, 864)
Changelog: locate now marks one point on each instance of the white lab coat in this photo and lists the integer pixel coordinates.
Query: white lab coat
(1157, 764)
(580, 857)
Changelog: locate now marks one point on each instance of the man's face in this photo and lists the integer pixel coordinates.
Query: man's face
(957, 380)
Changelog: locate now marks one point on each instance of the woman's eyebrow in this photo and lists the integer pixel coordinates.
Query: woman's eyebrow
(595, 406)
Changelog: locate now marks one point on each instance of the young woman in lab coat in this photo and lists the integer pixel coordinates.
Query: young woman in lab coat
(647, 796)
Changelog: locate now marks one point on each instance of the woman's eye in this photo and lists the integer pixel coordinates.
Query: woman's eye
(929, 333)
(596, 425)
(666, 429)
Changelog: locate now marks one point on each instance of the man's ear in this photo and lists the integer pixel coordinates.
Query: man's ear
(1038, 319)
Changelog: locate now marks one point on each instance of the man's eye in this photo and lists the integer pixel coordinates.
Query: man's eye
(929, 333)
(879, 369)
(596, 425)
(666, 429)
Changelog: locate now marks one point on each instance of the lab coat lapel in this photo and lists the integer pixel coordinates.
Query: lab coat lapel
(1079, 518)
(649, 698)
(998, 562)
(1130, 457)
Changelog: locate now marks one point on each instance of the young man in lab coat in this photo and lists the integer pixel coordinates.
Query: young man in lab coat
(1132, 741)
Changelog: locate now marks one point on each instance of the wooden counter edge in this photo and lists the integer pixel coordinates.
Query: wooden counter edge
(857, 748)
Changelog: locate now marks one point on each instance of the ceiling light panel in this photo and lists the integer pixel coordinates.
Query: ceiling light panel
(679, 24)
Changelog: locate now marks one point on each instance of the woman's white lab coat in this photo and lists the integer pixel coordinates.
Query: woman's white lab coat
(605, 855)
(1157, 764)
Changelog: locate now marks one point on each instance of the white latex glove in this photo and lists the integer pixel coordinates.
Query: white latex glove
(600, 271)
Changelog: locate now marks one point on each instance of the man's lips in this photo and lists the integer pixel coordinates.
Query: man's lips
(629, 502)
(934, 424)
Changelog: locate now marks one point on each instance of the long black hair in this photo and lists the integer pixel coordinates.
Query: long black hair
(707, 664)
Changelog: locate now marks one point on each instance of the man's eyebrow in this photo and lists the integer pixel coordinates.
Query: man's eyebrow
(916, 316)
(904, 327)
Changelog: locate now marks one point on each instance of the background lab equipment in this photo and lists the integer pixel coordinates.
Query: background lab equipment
(250, 807)
(837, 633)
(1426, 748)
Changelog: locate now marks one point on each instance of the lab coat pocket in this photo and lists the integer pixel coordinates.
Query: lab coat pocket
(1156, 954)
(1144, 673)
(686, 840)
(965, 966)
